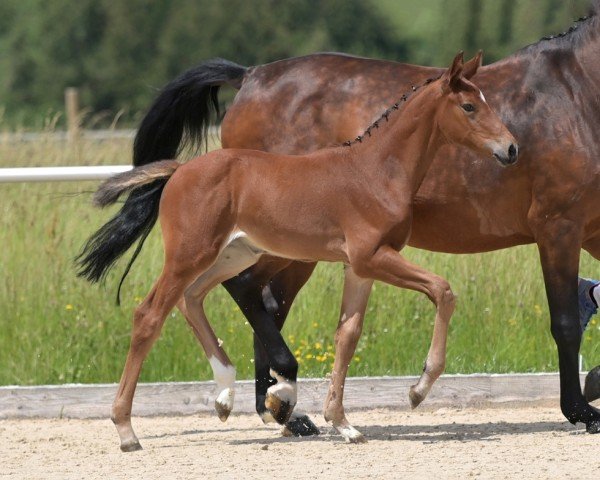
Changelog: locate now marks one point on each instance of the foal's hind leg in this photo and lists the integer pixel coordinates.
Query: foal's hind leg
(147, 323)
(237, 256)
(223, 370)
(354, 303)
(389, 266)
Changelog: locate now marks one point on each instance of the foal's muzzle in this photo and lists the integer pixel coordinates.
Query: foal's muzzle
(507, 156)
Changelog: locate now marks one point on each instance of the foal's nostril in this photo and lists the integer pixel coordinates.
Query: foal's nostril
(512, 151)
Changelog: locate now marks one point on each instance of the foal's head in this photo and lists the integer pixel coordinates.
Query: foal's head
(465, 118)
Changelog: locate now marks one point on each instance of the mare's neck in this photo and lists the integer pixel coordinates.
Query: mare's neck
(587, 53)
(404, 146)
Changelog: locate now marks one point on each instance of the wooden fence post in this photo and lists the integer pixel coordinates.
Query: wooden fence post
(72, 110)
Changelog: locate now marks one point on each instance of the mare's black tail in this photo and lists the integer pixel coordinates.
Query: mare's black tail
(185, 106)
(133, 222)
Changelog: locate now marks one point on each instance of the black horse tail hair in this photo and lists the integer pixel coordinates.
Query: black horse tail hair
(133, 222)
(183, 111)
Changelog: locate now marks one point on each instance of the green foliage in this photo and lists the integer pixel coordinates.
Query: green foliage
(56, 328)
(119, 51)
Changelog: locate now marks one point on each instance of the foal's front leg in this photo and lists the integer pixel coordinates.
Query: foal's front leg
(354, 304)
(389, 266)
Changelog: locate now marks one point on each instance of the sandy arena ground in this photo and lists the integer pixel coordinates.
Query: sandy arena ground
(523, 442)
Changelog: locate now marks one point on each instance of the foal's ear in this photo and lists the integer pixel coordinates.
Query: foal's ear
(470, 67)
(451, 77)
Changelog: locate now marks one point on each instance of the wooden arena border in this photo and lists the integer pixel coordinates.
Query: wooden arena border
(94, 401)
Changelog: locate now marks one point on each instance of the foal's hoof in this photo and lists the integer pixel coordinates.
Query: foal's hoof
(351, 434)
(222, 411)
(300, 426)
(591, 390)
(224, 403)
(415, 397)
(280, 409)
(132, 446)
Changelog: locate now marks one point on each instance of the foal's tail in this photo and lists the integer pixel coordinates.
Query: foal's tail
(133, 222)
(186, 105)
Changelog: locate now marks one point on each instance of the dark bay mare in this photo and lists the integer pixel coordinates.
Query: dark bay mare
(221, 212)
(546, 93)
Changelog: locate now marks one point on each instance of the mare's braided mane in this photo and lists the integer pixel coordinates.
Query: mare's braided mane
(573, 27)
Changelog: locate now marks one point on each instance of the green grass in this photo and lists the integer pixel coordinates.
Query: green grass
(55, 328)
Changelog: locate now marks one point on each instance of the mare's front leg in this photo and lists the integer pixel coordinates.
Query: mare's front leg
(354, 304)
(277, 282)
(592, 380)
(387, 265)
(559, 243)
(274, 361)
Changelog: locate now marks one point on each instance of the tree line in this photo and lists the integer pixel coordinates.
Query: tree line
(119, 52)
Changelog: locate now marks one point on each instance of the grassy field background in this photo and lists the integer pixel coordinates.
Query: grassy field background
(55, 328)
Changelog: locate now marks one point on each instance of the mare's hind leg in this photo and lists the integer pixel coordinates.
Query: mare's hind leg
(148, 319)
(354, 304)
(389, 266)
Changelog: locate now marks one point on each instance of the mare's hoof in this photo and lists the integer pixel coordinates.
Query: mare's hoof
(132, 446)
(300, 426)
(593, 426)
(280, 409)
(415, 398)
(591, 390)
(223, 411)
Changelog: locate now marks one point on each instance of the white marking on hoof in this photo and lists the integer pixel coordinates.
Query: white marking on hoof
(284, 389)
(224, 403)
(351, 434)
(225, 378)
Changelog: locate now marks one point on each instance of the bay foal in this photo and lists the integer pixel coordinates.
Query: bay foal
(221, 212)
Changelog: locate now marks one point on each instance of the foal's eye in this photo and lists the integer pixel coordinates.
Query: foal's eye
(468, 107)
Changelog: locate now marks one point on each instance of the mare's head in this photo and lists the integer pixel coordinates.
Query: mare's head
(465, 118)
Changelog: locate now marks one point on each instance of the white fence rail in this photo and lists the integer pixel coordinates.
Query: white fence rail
(60, 174)
(59, 136)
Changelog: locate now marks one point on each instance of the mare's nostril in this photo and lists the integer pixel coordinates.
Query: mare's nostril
(512, 151)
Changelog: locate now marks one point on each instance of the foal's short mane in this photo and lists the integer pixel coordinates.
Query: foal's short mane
(386, 114)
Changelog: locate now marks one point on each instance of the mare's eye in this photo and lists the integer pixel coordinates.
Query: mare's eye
(468, 107)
